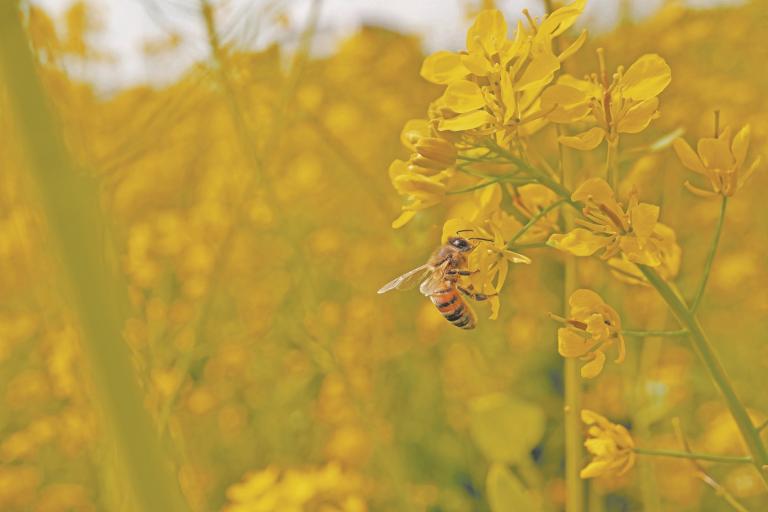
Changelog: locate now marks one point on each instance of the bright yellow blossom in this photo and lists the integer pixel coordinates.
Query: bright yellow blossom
(592, 327)
(719, 160)
(611, 446)
(625, 105)
(489, 261)
(607, 227)
(670, 255)
(419, 190)
(494, 86)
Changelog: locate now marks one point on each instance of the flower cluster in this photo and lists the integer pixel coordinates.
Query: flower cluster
(719, 160)
(610, 230)
(627, 104)
(493, 93)
(610, 444)
(592, 327)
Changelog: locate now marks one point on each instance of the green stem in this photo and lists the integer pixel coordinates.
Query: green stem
(70, 203)
(710, 257)
(478, 186)
(711, 360)
(541, 176)
(534, 220)
(611, 171)
(696, 456)
(574, 485)
(646, 334)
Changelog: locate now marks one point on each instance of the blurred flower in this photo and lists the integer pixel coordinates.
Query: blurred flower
(294, 490)
(720, 160)
(610, 445)
(670, 255)
(608, 228)
(592, 327)
(420, 191)
(625, 105)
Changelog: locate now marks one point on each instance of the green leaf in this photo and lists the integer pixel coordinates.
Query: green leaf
(504, 428)
(505, 491)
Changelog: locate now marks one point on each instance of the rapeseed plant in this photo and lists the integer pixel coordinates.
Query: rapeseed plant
(246, 209)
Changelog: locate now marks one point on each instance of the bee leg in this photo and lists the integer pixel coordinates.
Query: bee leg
(474, 295)
(457, 272)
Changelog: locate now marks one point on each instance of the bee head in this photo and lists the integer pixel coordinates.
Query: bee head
(462, 244)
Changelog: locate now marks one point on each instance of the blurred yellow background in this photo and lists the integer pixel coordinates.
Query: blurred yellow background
(246, 208)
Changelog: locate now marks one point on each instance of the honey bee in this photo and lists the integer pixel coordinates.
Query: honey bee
(439, 278)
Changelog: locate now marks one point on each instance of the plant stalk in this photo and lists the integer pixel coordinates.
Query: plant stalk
(70, 202)
(710, 256)
(692, 455)
(711, 360)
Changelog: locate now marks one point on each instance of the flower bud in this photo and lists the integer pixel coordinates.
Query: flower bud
(435, 153)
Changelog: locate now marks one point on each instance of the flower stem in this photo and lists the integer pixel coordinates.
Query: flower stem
(693, 455)
(710, 257)
(711, 360)
(489, 183)
(611, 171)
(540, 175)
(574, 485)
(646, 334)
(534, 220)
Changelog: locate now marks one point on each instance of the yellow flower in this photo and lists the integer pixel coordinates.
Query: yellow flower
(419, 190)
(591, 328)
(670, 255)
(489, 261)
(495, 84)
(720, 160)
(611, 447)
(625, 105)
(607, 227)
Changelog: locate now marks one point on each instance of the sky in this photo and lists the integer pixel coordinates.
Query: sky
(128, 24)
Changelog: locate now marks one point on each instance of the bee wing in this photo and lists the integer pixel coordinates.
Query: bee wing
(434, 282)
(409, 279)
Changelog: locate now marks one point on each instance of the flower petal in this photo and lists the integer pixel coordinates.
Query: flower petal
(740, 145)
(443, 67)
(584, 141)
(463, 96)
(594, 188)
(594, 367)
(715, 153)
(639, 116)
(571, 343)
(564, 103)
(644, 218)
(540, 70)
(466, 121)
(688, 156)
(574, 46)
(579, 242)
(403, 219)
(646, 78)
(700, 192)
(488, 33)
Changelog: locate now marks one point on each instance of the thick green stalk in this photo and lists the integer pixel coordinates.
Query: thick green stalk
(71, 203)
(574, 437)
(710, 257)
(717, 371)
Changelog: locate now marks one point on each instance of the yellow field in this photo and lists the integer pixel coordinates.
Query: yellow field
(188, 273)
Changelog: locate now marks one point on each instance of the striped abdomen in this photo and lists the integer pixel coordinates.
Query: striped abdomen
(453, 307)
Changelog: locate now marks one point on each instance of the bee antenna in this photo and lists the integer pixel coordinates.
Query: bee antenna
(483, 239)
(463, 231)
